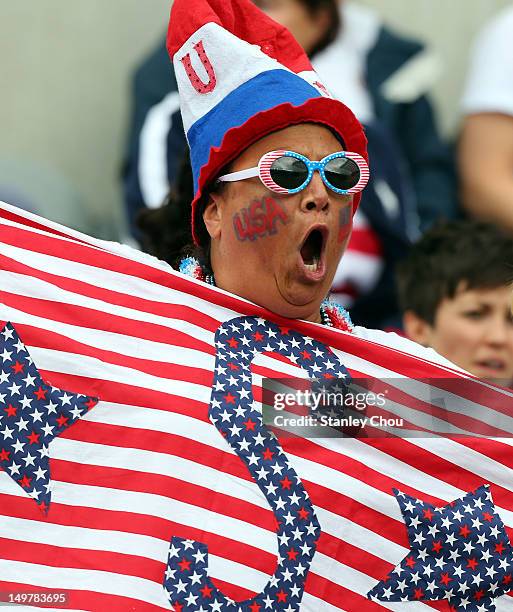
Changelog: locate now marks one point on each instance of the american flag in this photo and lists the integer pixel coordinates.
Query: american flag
(137, 473)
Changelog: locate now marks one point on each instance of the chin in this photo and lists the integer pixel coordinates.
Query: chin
(501, 382)
(297, 306)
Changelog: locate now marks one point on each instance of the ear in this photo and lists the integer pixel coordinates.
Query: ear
(417, 329)
(212, 216)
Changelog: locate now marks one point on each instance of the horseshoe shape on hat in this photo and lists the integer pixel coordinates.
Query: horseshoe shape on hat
(196, 82)
(238, 341)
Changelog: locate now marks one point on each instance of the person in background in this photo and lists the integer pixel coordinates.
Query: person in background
(384, 78)
(487, 186)
(387, 220)
(455, 292)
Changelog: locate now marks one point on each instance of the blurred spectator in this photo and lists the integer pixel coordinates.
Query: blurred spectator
(42, 189)
(384, 226)
(387, 220)
(455, 292)
(382, 77)
(487, 185)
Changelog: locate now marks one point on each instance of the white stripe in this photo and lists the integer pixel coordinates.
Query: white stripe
(86, 580)
(36, 288)
(355, 581)
(121, 250)
(387, 466)
(450, 402)
(130, 346)
(91, 367)
(74, 364)
(140, 347)
(120, 542)
(469, 459)
(310, 603)
(152, 504)
(114, 281)
(154, 462)
(347, 485)
(152, 163)
(360, 537)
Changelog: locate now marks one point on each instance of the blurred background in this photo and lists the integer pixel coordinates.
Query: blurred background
(65, 79)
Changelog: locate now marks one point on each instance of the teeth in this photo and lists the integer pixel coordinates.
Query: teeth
(313, 267)
(494, 364)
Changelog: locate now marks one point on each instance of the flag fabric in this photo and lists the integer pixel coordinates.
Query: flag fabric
(137, 473)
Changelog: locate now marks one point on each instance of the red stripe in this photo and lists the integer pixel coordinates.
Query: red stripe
(165, 443)
(166, 486)
(365, 241)
(22, 220)
(167, 310)
(80, 316)
(338, 596)
(85, 600)
(78, 558)
(358, 513)
(136, 523)
(34, 337)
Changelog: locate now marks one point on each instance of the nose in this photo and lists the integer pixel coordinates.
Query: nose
(315, 197)
(498, 330)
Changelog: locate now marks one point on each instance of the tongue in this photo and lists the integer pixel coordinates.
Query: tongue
(308, 252)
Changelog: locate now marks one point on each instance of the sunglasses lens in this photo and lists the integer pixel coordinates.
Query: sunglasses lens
(342, 172)
(288, 172)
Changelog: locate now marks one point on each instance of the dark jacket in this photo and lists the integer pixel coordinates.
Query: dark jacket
(429, 159)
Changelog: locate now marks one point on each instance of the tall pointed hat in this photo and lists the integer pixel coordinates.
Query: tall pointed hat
(242, 76)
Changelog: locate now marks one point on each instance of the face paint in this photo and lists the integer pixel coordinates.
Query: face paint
(259, 219)
(345, 222)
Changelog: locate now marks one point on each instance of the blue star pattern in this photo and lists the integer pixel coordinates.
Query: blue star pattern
(459, 552)
(32, 414)
(231, 410)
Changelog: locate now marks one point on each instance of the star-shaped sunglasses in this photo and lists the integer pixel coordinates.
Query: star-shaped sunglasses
(287, 172)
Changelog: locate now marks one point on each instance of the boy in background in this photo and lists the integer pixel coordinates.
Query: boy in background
(455, 294)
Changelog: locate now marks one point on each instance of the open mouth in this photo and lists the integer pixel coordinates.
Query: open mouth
(497, 365)
(312, 250)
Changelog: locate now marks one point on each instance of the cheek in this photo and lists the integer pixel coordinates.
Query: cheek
(457, 337)
(262, 218)
(345, 223)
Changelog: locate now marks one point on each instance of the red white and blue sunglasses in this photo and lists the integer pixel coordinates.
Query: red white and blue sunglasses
(287, 172)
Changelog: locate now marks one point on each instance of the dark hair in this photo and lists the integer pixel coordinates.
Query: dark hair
(166, 231)
(472, 252)
(314, 7)
(331, 6)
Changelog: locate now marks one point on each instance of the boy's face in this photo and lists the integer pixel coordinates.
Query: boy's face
(307, 28)
(474, 330)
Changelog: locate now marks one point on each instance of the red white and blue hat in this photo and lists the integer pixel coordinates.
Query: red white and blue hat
(240, 77)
